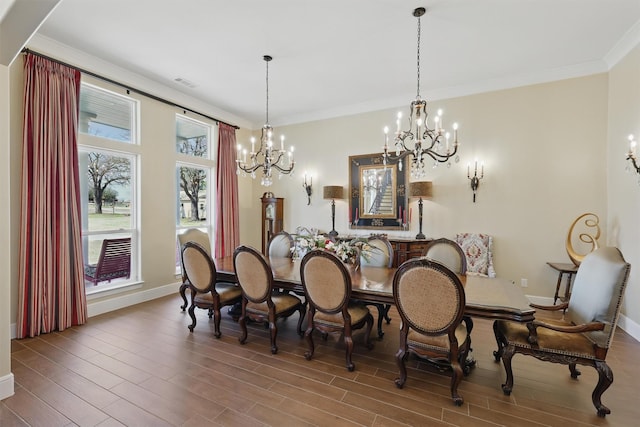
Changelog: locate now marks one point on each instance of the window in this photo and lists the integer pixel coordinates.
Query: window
(108, 178)
(106, 114)
(194, 170)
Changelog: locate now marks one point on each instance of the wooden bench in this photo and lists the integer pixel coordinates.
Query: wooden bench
(114, 261)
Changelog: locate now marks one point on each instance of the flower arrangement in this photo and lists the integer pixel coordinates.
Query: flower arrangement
(346, 250)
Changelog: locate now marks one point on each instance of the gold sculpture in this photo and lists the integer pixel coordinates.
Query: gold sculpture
(591, 220)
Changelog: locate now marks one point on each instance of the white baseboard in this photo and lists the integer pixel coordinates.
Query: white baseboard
(6, 386)
(100, 307)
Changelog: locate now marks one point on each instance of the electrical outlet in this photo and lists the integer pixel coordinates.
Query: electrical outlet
(524, 283)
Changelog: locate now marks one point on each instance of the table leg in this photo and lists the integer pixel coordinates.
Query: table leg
(567, 290)
(555, 297)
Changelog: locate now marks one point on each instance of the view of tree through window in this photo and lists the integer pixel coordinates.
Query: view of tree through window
(105, 173)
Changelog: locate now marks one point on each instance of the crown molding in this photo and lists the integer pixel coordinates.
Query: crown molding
(629, 41)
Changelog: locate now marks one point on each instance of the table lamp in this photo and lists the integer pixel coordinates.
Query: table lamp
(420, 189)
(333, 192)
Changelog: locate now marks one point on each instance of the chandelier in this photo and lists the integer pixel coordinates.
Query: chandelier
(426, 141)
(268, 157)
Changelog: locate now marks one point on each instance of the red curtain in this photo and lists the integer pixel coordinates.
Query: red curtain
(227, 218)
(51, 292)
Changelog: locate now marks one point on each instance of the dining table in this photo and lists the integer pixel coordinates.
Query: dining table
(489, 298)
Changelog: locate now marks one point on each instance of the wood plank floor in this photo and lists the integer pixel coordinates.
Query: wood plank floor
(140, 366)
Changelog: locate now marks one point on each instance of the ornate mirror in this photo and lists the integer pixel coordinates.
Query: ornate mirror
(377, 196)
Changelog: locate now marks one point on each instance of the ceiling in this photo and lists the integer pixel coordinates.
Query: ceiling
(337, 57)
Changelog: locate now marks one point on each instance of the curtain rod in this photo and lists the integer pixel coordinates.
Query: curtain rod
(141, 92)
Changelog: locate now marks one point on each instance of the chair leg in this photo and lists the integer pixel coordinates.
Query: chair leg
(456, 377)
(574, 371)
(273, 330)
(367, 332)
(605, 379)
(243, 322)
(401, 357)
(507, 354)
(216, 321)
(308, 334)
(348, 343)
(302, 310)
(192, 313)
(381, 316)
(183, 289)
(386, 313)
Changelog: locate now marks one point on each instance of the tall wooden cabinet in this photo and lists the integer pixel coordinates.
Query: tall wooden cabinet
(272, 217)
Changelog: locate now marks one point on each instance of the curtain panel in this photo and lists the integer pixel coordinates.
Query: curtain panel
(227, 219)
(51, 293)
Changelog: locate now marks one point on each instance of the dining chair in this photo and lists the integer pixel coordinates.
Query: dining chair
(478, 251)
(585, 332)
(447, 252)
(199, 237)
(259, 301)
(430, 299)
(327, 287)
(280, 245)
(381, 256)
(200, 277)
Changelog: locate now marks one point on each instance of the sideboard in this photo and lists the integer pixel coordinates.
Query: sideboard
(406, 248)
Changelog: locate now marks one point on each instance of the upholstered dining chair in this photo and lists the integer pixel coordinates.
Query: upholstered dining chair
(199, 237)
(280, 245)
(478, 251)
(200, 277)
(430, 300)
(447, 252)
(381, 256)
(259, 302)
(583, 336)
(327, 287)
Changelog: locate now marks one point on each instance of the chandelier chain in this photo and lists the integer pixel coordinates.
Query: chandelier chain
(418, 61)
(267, 106)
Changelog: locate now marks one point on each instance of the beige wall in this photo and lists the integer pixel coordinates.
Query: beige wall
(623, 189)
(544, 149)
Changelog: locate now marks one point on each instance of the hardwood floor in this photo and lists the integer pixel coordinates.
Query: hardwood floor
(140, 366)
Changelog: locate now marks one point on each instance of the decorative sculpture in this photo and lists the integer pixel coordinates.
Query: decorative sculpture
(591, 220)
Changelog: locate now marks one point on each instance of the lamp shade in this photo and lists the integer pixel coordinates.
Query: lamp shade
(332, 192)
(421, 189)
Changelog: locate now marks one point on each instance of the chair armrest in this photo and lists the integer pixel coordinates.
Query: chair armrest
(557, 307)
(572, 329)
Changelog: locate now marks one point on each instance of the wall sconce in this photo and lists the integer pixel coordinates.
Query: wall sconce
(333, 192)
(475, 179)
(631, 155)
(420, 189)
(307, 187)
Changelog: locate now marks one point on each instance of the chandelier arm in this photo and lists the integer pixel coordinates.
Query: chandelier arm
(250, 169)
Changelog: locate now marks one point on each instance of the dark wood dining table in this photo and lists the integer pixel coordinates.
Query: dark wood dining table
(490, 298)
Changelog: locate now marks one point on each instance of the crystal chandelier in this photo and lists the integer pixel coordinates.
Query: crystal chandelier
(426, 141)
(267, 157)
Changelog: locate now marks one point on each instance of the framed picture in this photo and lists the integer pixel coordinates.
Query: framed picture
(377, 193)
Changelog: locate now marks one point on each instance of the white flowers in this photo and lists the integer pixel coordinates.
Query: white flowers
(346, 250)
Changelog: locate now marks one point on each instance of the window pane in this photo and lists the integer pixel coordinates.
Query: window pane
(108, 192)
(106, 114)
(192, 206)
(192, 137)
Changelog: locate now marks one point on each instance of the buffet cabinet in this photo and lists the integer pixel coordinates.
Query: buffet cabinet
(405, 248)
